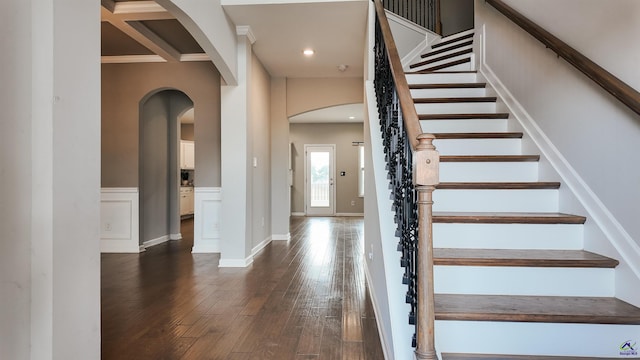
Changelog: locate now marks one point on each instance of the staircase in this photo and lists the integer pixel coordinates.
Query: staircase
(511, 276)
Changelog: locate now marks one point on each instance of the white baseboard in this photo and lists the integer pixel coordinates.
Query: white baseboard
(350, 214)
(384, 338)
(628, 251)
(256, 249)
(177, 236)
(153, 242)
(119, 220)
(279, 237)
(238, 263)
(298, 214)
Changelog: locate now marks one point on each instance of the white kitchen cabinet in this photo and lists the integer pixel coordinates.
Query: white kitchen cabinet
(186, 200)
(187, 155)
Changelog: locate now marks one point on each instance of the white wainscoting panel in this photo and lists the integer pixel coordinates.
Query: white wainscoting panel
(206, 231)
(119, 226)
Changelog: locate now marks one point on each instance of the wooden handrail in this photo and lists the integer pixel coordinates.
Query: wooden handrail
(616, 87)
(409, 114)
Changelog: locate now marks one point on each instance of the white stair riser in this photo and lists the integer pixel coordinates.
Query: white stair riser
(488, 171)
(448, 92)
(449, 51)
(486, 337)
(457, 35)
(460, 67)
(441, 78)
(545, 200)
(457, 126)
(542, 281)
(479, 146)
(443, 62)
(508, 236)
(456, 108)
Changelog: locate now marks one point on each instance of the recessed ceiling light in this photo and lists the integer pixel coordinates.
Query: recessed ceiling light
(308, 52)
(351, 117)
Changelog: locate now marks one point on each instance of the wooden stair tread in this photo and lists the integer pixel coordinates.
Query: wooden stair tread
(489, 158)
(451, 41)
(445, 49)
(463, 116)
(498, 185)
(470, 99)
(506, 218)
(448, 86)
(556, 309)
(488, 135)
(443, 66)
(461, 356)
(523, 258)
(441, 58)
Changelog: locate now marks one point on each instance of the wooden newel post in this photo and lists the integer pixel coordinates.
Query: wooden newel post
(426, 164)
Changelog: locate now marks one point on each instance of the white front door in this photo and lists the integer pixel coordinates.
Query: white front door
(319, 180)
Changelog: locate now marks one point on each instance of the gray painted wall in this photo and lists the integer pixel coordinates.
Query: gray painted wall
(125, 85)
(456, 15)
(159, 173)
(346, 160)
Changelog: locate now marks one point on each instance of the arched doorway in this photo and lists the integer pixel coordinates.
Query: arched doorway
(159, 165)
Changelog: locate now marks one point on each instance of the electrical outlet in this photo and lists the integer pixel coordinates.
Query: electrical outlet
(371, 253)
(107, 226)
(353, 203)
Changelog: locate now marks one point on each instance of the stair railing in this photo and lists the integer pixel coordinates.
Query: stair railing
(616, 87)
(425, 13)
(413, 165)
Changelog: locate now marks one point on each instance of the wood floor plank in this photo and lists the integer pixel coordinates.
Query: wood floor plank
(290, 303)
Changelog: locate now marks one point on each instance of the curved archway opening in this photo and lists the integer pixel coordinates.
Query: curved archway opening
(159, 165)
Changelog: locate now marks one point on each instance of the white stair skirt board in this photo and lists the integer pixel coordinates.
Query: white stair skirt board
(441, 78)
(460, 126)
(512, 200)
(206, 227)
(496, 280)
(487, 337)
(508, 236)
(479, 146)
(119, 220)
(177, 236)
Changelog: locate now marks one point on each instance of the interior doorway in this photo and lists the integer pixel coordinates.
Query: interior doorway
(159, 169)
(319, 180)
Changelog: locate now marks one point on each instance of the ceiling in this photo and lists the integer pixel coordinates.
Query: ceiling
(143, 31)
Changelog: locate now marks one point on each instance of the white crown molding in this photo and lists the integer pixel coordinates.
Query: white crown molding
(245, 30)
(126, 59)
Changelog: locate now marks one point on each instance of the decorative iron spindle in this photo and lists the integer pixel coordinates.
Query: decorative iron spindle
(421, 12)
(398, 155)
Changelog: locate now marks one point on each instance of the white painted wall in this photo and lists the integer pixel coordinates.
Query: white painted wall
(280, 183)
(590, 137)
(50, 210)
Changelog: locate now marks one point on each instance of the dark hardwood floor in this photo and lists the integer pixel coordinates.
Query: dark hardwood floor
(302, 299)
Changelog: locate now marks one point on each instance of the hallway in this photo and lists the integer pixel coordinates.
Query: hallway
(302, 299)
